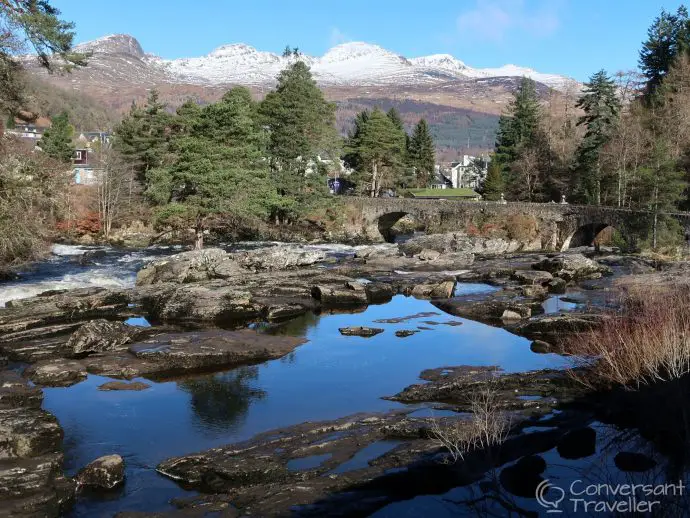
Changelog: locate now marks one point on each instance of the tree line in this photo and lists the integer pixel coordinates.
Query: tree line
(622, 141)
(239, 160)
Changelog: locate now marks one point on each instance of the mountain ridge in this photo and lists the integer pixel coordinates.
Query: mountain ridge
(352, 63)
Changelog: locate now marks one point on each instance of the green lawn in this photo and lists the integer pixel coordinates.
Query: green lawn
(443, 193)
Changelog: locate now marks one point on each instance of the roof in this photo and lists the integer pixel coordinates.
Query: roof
(443, 193)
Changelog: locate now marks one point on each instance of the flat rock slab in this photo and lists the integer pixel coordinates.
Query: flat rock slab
(366, 332)
(124, 386)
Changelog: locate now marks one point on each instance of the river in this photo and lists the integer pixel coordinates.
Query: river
(330, 376)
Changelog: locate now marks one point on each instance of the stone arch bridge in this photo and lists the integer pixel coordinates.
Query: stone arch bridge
(560, 225)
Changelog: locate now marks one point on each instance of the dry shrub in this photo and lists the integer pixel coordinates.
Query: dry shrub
(488, 426)
(648, 342)
(522, 227)
(472, 230)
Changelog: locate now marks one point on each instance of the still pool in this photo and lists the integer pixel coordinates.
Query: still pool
(328, 377)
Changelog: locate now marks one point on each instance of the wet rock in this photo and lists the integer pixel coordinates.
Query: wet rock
(366, 332)
(59, 372)
(403, 333)
(106, 472)
(333, 296)
(31, 480)
(486, 309)
(428, 255)
(571, 266)
(458, 385)
(179, 352)
(378, 292)
(398, 320)
(458, 242)
(632, 461)
(280, 257)
(578, 444)
(541, 347)
(557, 285)
(99, 336)
(534, 277)
(193, 266)
(554, 327)
(200, 302)
(124, 385)
(441, 290)
(523, 477)
(72, 306)
(285, 311)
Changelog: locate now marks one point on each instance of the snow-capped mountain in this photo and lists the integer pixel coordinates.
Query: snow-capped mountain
(355, 64)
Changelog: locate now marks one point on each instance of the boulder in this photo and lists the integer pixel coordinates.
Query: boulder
(532, 277)
(193, 266)
(511, 315)
(334, 296)
(440, 290)
(533, 292)
(541, 347)
(59, 372)
(200, 302)
(99, 336)
(378, 292)
(571, 266)
(382, 250)
(366, 332)
(403, 333)
(428, 255)
(280, 257)
(458, 242)
(557, 285)
(106, 472)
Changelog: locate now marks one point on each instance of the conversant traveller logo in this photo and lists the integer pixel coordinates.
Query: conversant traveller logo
(605, 498)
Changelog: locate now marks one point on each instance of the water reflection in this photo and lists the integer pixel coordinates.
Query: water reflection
(222, 400)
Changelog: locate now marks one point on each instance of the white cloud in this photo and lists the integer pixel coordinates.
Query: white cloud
(494, 20)
(337, 37)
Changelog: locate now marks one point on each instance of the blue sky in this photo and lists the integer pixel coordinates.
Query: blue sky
(572, 37)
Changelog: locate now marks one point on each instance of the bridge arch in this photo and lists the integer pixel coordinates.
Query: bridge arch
(386, 222)
(586, 234)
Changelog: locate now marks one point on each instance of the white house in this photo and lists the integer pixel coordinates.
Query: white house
(469, 172)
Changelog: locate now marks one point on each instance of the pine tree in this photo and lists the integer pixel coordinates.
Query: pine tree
(422, 153)
(517, 128)
(601, 108)
(668, 36)
(494, 185)
(287, 51)
(57, 140)
(380, 149)
(142, 136)
(218, 169)
(301, 126)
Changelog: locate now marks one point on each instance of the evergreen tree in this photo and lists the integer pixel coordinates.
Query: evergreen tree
(517, 128)
(301, 126)
(351, 156)
(57, 140)
(380, 149)
(218, 169)
(141, 137)
(287, 51)
(601, 113)
(422, 154)
(668, 36)
(494, 185)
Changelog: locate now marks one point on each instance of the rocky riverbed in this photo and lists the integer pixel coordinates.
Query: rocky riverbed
(283, 378)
